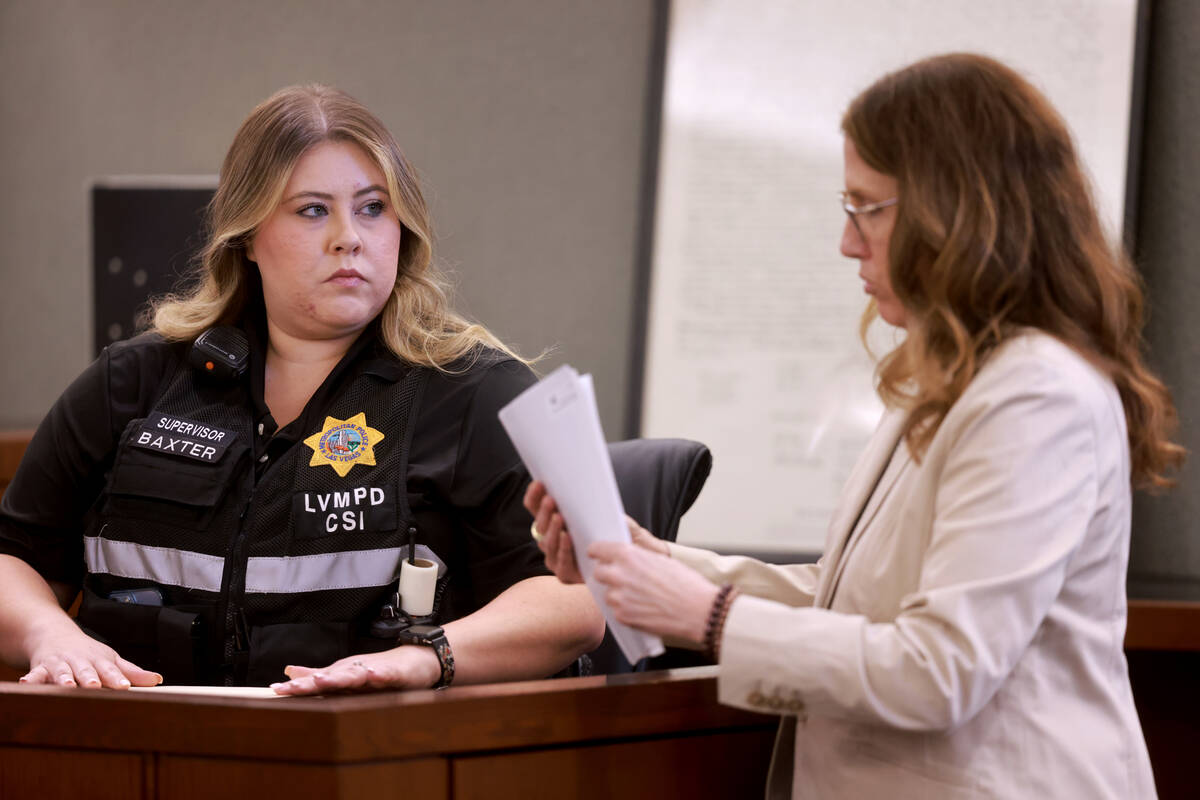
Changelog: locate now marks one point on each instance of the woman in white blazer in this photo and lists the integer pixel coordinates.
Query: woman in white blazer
(962, 635)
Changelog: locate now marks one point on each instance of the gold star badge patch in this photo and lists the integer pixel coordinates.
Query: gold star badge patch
(342, 443)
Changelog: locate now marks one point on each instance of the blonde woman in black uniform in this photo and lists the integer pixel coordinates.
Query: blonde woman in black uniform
(249, 528)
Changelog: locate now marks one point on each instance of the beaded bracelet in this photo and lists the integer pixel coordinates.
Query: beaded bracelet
(716, 620)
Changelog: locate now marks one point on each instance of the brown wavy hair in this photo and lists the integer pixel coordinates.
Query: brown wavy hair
(996, 230)
(416, 324)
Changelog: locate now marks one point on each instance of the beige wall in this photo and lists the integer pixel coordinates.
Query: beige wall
(525, 118)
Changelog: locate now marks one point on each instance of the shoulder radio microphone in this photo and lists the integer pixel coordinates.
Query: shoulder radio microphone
(221, 352)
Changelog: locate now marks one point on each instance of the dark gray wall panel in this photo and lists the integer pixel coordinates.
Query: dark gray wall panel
(1165, 561)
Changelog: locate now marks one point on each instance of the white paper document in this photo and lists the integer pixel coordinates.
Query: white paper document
(556, 429)
(255, 692)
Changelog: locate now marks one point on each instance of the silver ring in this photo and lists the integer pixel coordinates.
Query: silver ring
(537, 537)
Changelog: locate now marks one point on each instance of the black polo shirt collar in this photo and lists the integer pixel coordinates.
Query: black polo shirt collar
(367, 354)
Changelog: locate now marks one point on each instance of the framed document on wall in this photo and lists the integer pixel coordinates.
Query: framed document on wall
(752, 339)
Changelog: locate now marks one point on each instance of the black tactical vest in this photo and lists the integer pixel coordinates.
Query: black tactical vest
(197, 570)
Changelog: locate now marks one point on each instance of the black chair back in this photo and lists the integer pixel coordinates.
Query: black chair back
(659, 479)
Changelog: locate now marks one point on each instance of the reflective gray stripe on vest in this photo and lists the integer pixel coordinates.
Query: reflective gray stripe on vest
(353, 569)
(159, 564)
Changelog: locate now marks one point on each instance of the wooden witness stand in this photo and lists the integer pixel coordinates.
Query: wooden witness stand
(650, 735)
(657, 735)
(643, 735)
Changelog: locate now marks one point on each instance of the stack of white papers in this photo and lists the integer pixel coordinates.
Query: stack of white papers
(556, 429)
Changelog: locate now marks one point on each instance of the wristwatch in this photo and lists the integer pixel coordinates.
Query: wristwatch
(431, 636)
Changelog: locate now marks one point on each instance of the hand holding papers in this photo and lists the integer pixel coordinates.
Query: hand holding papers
(556, 429)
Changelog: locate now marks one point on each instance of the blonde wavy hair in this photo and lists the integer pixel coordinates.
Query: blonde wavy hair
(996, 229)
(416, 324)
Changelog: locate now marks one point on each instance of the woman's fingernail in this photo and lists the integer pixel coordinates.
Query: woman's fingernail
(124, 682)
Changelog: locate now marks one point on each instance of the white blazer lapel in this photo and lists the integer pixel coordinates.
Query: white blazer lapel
(860, 486)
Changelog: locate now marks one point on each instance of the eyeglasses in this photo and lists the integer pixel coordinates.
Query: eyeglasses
(865, 211)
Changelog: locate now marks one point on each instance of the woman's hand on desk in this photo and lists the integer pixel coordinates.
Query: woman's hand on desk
(35, 630)
(68, 657)
(552, 537)
(404, 667)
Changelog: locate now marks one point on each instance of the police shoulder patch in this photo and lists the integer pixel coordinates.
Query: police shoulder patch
(343, 443)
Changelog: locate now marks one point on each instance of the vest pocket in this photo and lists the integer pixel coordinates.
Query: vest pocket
(168, 640)
(163, 488)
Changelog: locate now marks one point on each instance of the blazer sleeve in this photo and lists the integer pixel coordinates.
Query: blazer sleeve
(1016, 491)
(789, 584)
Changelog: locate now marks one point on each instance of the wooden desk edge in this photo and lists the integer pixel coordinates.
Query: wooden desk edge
(370, 727)
(1163, 625)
